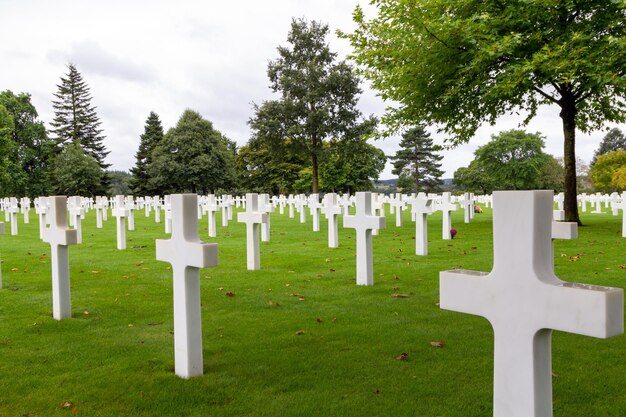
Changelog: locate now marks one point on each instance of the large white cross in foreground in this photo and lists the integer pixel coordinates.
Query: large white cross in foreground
(524, 301)
(364, 221)
(187, 254)
(59, 236)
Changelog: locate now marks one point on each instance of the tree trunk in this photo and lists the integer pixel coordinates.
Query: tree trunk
(568, 116)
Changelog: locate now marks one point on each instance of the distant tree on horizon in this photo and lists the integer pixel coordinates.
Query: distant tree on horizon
(614, 140)
(416, 164)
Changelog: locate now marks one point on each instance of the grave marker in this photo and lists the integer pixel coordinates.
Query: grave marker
(59, 236)
(120, 213)
(253, 218)
(446, 208)
(331, 210)
(187, 254)
(364, 222)
(524, 301)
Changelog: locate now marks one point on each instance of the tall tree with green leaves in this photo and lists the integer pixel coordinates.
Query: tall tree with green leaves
(614, 140)
(461, 64)
(7, 126)
(192, 157)
(77, 173)
(416, 164)
(151, 137)
(318, 96)
(512, 160)
(76, 120)
(606, 173)
(31, 148)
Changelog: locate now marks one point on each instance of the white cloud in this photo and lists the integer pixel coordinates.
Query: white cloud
(163, 56)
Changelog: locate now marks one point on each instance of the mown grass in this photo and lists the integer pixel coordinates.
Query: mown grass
(114, 357)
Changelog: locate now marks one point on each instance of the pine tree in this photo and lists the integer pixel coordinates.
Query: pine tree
(75, 118)
(612, 141)
(416, 163)
(152, 136)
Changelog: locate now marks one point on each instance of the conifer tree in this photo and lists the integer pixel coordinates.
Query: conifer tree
(152, 136)
(416, 163)
(612, 141)
(76, 120)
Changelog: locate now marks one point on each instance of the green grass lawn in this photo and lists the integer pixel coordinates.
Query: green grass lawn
(298, 338)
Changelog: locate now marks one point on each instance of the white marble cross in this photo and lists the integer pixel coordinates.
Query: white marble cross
(364, 222)
(524, 301)
(100, 207)
(211, 208)
(622, 205)
(253, 218)
(421, 208)
(187, 254)
(396, 206)
(446, 208)
(331, 210)
(314, 208)
(156, 202)
(130, 208)
(300, 205)
(468, 207)
(120, 213)
(25, 205)
(265, 206)
(76, 212)
(225, 210)
(41, 208)
(59, 236)
(13, 211)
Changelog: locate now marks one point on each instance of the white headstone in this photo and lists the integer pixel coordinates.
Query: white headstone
(446, 208)
(41, 208)
(421, 208)
(314, 207)
(468, 207)
(76, 212)
(253, 218)
(264, 206)
(364, 222)
(1, 233)
(211, 208)
(100, 208)
(331, 210)
(120, 213)
(59, 236)
(13, 211)
(524, 301)
(187, 254)
(623, 207)
(130, 207)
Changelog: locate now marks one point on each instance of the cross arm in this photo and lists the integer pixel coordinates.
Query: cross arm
(198, 255)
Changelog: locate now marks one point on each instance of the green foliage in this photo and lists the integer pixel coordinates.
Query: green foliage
(351, 165)
(474, 178)
(612, 141)
(606, 167)
(512, 160)
(76, 172)
(618, 180)
(261, 170)
(6, 150)
(459, 64)
(31, 148)
(318, 97)
(416, 163)
(76, 120)
(152, 136)
(192, 157)
(120, 183)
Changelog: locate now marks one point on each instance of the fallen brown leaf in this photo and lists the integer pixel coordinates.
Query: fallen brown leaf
(66, 404)
(403, 356)
(318, 319)
(328, 260)
(437, 344)
(622, 266)
(300, 332)
(230, 294)
(397, 295)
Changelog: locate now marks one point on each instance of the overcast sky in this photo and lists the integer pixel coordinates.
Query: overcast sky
(211, 56)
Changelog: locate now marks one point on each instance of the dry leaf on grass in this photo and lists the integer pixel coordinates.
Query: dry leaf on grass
(66, 404)
(403, 356)
(230, 294)
(437, 344)
(299, 332)
(397, 295)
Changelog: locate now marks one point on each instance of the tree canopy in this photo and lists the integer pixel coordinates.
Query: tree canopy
(76, 172)
(512, 160)
(192, 157)
(614, 140)
(318, 97)
(153, 135)
(607, 173)
(460, 64)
